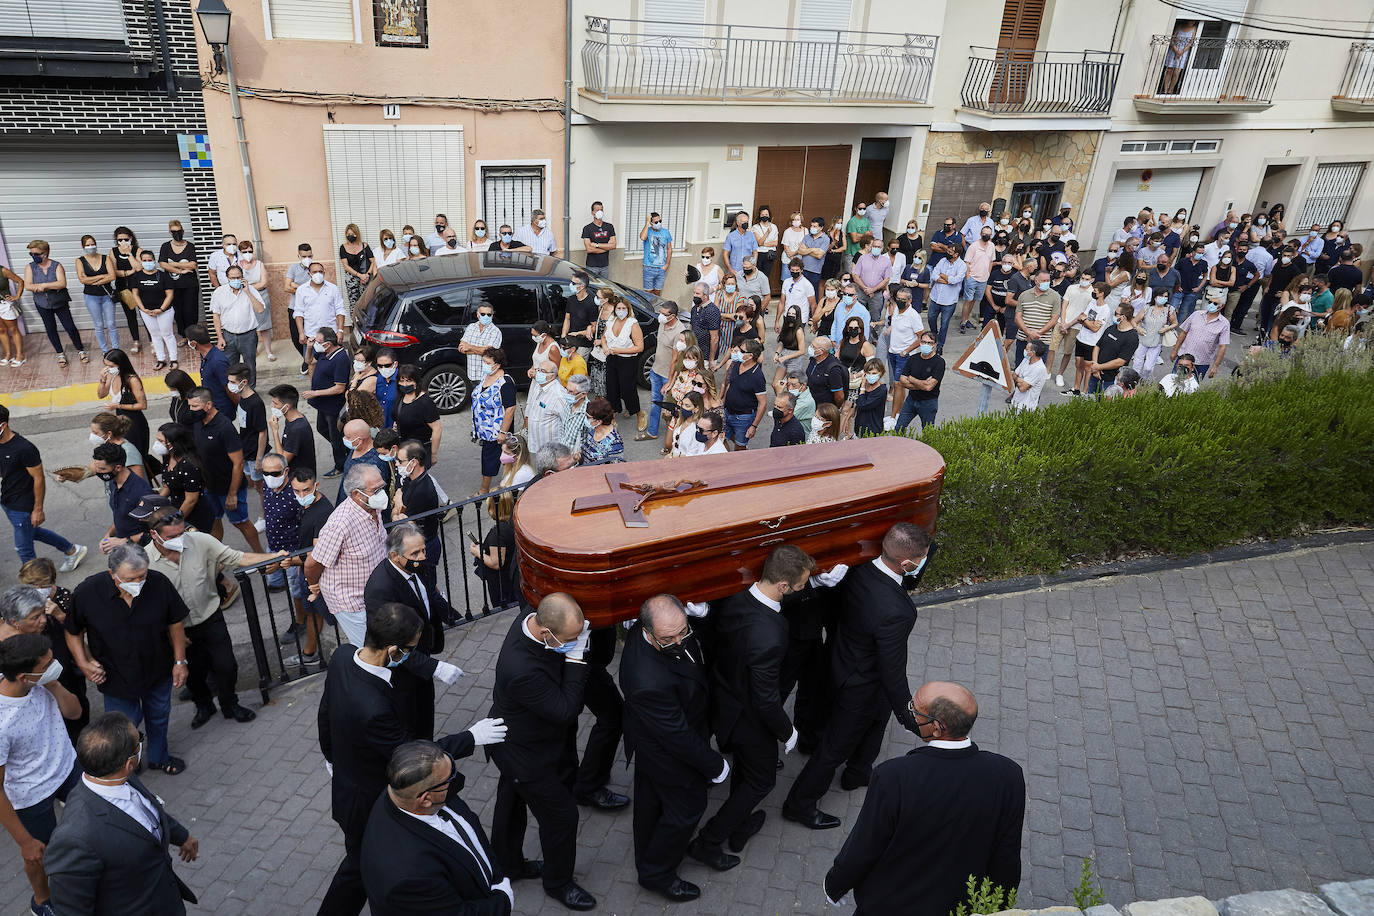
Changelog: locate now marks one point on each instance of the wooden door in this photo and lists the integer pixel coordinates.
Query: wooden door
(812, 179)
(959, 189)
(1016, 44)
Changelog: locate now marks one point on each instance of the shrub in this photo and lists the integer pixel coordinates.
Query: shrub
(985, 897)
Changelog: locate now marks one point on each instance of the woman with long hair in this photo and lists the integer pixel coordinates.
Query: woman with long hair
(517, 466)
(825, 424)
(183, 478)
(791, 354)
(359, 263)
(125, 256)
(112, 428)
(121, 383)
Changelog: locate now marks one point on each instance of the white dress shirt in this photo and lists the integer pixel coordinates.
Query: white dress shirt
(237, 314)
(894, 576)
(763, 599)
(454, 826)
(540, 242)
(132, 802)
(416, 586)
(952, 745)
(374, 670)
(319, 306)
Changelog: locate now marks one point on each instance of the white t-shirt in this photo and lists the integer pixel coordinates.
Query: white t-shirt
(1035, 375)
(1094, 312)
(1076, 299)
(791, 237)
(35, 748)
(798, 292)
(1171, 386)
(898, 266)
(905, 326)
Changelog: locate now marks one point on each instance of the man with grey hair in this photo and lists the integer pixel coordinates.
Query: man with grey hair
(348, 549)
(553, 458)
(753, 282)
(575, 423)
(787, 429)
(546, 410)
(705, 320)
(803, 403)
(126, 634)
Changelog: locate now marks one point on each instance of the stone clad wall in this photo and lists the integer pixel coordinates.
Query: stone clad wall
(1065, 156)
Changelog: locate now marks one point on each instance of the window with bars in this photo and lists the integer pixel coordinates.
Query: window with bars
(668, 197)
(1333, 188)
(510, 193)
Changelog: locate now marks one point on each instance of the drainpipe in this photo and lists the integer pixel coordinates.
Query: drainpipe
(160, 16)
(567, 133)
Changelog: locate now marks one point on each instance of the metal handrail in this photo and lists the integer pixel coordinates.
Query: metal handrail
(1223, 70)
(1358, 81)
(1007, 81)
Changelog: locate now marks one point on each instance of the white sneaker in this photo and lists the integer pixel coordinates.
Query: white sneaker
(73, 559)
(1059, 381)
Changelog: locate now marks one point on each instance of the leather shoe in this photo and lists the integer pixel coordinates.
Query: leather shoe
(849, 781)
(203, 714)
(240, 714)
(572, 896)
(816, 820)
(750, 827)
(679, 891)
(713, 856)
(533, 868)
(603, 799)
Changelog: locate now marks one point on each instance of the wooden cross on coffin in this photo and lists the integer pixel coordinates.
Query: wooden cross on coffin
(982, 363)
(630, 498)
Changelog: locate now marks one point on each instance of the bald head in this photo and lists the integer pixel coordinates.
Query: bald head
(950, 703)
(357, 430)
(663, 617)
(561, 615)
(547, 366)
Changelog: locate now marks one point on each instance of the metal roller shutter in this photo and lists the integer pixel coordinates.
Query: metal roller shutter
(60, 190)
(317, 20)
(959, 189)
(94, 19)
(1333, 188)
(1167, 191)
(670, 198)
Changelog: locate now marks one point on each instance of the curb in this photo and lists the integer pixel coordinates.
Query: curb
(1144, 565)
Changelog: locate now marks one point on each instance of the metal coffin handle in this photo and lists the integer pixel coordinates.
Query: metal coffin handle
(773, 525)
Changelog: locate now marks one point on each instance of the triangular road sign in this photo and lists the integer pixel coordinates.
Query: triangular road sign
(985, 360)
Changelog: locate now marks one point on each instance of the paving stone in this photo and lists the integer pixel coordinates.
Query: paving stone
(1172, 906)
(1275, 903)
(1105, 909)
(1349, 898)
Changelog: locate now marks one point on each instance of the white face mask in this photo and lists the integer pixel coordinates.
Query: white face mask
(96, 439)
(274, 480)
(622, 313)
(231, 250)
(50, 674)
(246, 255)
(386, 372)
(133, 588)
(159, 449)
(306, 261)
(317, 278)
(359, 365)
(817, 424)
(689, 364)
(377, 500)
(598, 214)
(176, 544)
(796, 224)
(680, 345)
(705, 259)
(233, 387)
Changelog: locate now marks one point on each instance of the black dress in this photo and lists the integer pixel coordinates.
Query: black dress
(185, 478)
(138, 420)
(412, 420)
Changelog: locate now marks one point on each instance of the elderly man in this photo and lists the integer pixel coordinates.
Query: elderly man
(546, 408)
(191, 561)
(825, 377)
(234, 311)
(974, 225)
(537, 235)
(477, 338)
(1208, 334)
(357, 438)
(787, 429)
(348, 549)
(740, 244)
(553, 458)
(132, 618)
(910, 804)
(575, 423)
(754, 282)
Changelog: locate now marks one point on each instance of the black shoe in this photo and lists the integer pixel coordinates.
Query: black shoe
(203, 714)
(939, 351)
(679, 891)
(572, 896)
(752, 826)
(816, 820)
(240, 713)
(533, 868)
(603, 799)
(849, 782)
(713, 856)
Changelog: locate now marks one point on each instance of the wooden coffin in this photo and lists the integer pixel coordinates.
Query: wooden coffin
(705, 531)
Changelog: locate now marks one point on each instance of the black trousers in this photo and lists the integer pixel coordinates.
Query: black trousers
(347, 895)
(1268, 308)
(621, 383)
(211, 650)
(1243, 304)
(549, 798)
(185, 307)
(413, 697)
(853, 736)
(807, 668)
(327, 425)
(664, 819)
(50, 319)
(131, 316)
(602, 697)
(753, 773)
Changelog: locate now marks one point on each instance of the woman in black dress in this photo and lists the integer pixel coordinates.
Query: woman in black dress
(177, 258)
(414, 414)
(177, 411)
(125, 255)
(122, 385)
(183, 479)
(359, 263)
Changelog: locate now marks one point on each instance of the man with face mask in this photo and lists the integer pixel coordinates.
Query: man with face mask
(318, 304)
(234, 310)
(124, 490)
(23, 489)
(868, 664)
(222, 259)
(435, 241)
(451, 244)
(546, 410)
(326, 393)
(974, 225)
(598, 237)
(1208, 333)
(787, 429)
(357, 437)
(131, 617)
(537, 235)
(348, 549)
(668, 733)
(360, 729)
(192, 561)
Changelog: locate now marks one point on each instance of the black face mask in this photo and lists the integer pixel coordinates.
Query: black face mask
(696, 300)
(688, 650)
(405, 389)
(796, 274)
(177, 234)
(105, 475)
(701, 436)
(411, 566)
(353, 238)
(197, 416)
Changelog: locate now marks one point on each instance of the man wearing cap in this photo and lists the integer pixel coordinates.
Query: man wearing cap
(1063, 219)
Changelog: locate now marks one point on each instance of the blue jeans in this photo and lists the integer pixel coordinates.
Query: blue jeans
(103, 321)
(1186, 305)
(940, 316)
(654, 277)
(656, 383)
(25, 533)
(985, 397)
(737, 427)
(1020, 352)
(154, 706)
(895, 364)
(912, 408)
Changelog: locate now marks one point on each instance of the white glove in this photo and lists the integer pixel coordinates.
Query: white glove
(447, 673)
(505, 888)
(261, 525)
(832, 578)
(889, 424)
(723, 773)
(488, 731)
(697, 608)
(791, 743)
(840, 902)
(329, 768)
(580, 646)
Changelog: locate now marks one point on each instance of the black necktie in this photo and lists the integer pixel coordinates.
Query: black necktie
(465, 841)
(420, 593)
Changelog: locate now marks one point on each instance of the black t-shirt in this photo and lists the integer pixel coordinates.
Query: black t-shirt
(583, 314)
(361, 262)
(216, 440)
(510, 246)
(997, 285)
(166, 255)
(185, 478)
(420, 497)
(599, 235)
(16, 484)
(1344, 276)
(254, 422)
(413, 419)
(1283, 274)
(330, 370)
(1016, 285)
(1116, 344)
(825, 378)
(313, 518)
(919, 369)
(150, 288)
(131, 642)
(745, 387)
(299, 439)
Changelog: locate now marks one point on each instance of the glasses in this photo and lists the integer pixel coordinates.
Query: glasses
(452, 777)
(918, 716)
(673, 640)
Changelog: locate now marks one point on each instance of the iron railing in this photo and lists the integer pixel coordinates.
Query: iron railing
(1358, 83)
(1003, 81)
(1223, 70)
(638, 59)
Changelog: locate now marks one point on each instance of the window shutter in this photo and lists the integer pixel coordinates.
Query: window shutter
(1021, 24)
(318, 20)
(1333, 187)
(670, 198)
(674, 17)
(92, 19)
(829, 15)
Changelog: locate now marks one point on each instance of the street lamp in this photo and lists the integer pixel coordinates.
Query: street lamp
(214, 25)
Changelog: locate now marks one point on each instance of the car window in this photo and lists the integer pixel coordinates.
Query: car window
(445, 308)
(513, 303)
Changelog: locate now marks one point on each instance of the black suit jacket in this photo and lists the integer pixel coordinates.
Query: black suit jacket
(666, 713)
(931, 819)
(411, 869)
(359, 728)
(869, 649)
(751, 641)
(102, 862)
(388, 584)
(420, 496)
(539, 694)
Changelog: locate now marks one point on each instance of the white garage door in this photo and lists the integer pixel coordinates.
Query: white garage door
(59, 191)
(1167, 191)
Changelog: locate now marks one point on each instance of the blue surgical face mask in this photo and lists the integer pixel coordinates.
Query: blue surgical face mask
(397, 662)
(927, 349)
(737, 356)
(506, 237)
(390, 243)
(847, 299)
(1044, 285)
(570, 398)
(919, 567)
(305, 500)
(872, 378)
(235, 283)
(484, 320)
(480, 233)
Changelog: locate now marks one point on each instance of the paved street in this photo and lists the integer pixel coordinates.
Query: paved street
(1201, 731)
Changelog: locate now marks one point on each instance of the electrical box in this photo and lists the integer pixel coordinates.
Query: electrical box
(276, 218)
(728, 217)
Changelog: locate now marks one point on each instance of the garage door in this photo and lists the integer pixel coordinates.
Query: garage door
(959, 189)
(58, 191)
(1164, 190)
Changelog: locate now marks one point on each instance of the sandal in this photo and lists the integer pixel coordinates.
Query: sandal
(62, 360)
(84, 357)
(174, 364)
(644, 437)
(173, 766)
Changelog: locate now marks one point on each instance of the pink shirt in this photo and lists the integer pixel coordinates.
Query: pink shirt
(979, 259)
(1204, 337)
(872, 271)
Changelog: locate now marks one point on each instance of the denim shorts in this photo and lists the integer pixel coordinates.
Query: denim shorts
(295, 582)
(737, 427)
(973, 289)
(238, 515)
(654, 277)
(250, 471)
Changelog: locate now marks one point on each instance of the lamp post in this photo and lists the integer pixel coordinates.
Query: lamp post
(214, 25)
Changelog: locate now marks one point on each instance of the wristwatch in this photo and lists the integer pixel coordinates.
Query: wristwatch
(180, 661)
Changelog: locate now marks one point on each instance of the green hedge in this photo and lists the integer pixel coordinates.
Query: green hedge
(1089, 481)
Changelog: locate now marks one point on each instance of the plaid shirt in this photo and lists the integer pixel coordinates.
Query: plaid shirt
(475, 334)
(574, 428)
(349, 547)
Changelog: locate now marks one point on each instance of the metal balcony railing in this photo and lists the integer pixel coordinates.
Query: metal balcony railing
(637, 59)
(1358, 83)
(1222, 70)
(1003, 81)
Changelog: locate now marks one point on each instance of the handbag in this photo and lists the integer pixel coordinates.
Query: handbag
(1169, 338)
(129, 298)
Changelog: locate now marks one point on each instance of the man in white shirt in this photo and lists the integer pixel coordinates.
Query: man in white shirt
(1212, 251)
(877, 214)
(319, 305)
(220, 261)
(435, 240)
(796, 291)
(1183, 380)
(711, 425)
(450, 245)
(234, 309)
(1029, 377)
(477, 336)
(546, 409)
(1124, 235)
(537, 235)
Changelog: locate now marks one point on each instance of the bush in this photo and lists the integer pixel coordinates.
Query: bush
(1090, 481)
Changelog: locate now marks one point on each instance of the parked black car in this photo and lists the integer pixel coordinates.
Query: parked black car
(419, 310)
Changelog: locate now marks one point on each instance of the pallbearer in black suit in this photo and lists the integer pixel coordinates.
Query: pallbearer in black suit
(930, 819)
(868, 669)
(424, 851)
(668, 735)
(540, 678)
(747, 714)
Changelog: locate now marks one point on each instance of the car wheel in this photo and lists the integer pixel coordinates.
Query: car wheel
(448, 387)
(646, 366)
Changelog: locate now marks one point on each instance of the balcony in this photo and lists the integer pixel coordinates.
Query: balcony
(62, 40)
(1211, 76)
(1038, 90)
(632, 60)
(1357, 87)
